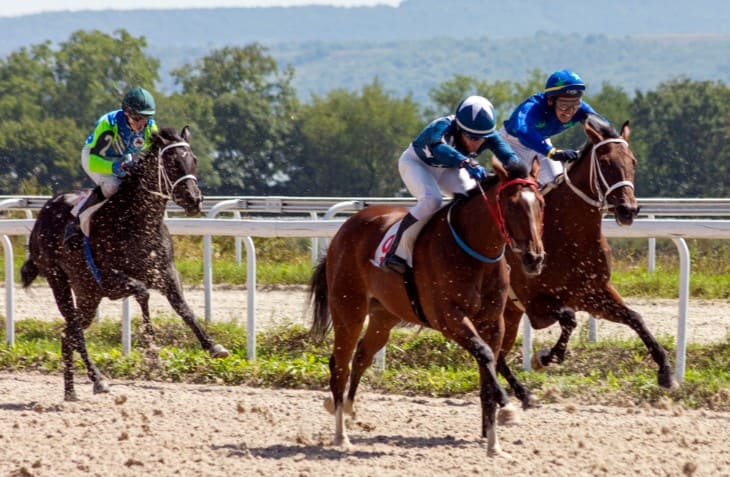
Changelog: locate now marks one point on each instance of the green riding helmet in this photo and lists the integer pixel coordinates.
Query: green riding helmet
(139, 100)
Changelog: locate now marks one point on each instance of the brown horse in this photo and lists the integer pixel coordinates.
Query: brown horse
(577, 269)
(459, 295)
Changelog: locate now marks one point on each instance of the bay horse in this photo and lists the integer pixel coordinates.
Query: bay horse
(577, 268)
(129, 250)
(459, 295)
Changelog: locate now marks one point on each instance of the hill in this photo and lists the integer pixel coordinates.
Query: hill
(420, 43)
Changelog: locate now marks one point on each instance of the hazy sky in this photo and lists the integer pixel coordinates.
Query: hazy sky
(25, 7)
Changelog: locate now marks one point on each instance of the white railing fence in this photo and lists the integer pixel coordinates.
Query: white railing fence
(317, 228)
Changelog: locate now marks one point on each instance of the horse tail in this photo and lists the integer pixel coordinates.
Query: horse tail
(29, 272)
(321, 322)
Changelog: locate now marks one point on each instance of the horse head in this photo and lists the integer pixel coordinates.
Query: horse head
(171, 167)
(521, 207)
(609, 166)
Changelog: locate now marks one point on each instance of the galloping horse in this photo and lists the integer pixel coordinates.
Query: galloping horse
(577, 269)
(129, 251)
(460, 277)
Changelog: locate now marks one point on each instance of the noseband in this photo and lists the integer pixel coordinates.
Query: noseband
(165, 187)
(597, 180)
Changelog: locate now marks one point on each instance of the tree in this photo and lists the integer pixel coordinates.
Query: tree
(50, 100)
(248, 116)
(682, 139)
(93, 70)
(351, 143)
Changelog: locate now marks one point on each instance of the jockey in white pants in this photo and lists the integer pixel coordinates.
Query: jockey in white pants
(107, 154)
(439, 162)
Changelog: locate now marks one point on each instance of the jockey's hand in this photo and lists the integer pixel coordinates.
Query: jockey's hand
(476, 171)
(564, 155)
(127, 166)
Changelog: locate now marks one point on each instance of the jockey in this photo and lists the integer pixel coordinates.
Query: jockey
(440, 160)
(107, 154)
(542, 115)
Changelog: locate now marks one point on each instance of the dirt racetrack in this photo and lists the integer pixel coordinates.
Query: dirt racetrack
(164, 429)
(170, 429)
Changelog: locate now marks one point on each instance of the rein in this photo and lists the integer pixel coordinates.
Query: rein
(596, 179)
(165, 186)
(497, 215)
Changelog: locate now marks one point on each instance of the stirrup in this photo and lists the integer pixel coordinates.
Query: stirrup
(395, 264)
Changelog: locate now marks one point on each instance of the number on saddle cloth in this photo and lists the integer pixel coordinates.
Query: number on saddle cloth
(404, 251)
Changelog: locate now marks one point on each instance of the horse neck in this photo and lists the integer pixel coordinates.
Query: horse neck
(565, 209)
(477, 226)
(142, 203)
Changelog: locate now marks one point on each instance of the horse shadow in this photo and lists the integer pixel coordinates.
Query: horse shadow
(326, 452)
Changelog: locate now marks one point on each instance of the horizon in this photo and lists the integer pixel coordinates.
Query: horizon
(34, 7)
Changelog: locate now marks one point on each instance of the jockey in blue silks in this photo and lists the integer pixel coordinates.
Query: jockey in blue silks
(542, 115)
(107, 154)
(439, 161)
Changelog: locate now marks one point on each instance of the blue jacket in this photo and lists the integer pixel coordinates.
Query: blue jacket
(436, 145)
(533, 122)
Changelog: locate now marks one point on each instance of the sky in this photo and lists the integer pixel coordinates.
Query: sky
(28, 7)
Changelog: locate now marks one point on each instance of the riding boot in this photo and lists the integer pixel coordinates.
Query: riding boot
(392, 261)
(73, 228)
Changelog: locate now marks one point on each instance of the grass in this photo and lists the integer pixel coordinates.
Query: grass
(614, 372)
(608, 372)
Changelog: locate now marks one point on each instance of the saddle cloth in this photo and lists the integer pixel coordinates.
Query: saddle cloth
(405, 247)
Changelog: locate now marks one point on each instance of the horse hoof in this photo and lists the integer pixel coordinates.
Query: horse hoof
(329, 405)
(101, 387)
(70, 396)
(342, 441)
(218, 351)
(530, 402)
(349, 407)
(508, 416)
(539, 360)
(498, 452)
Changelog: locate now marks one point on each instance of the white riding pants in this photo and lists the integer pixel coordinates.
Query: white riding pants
(549, 169)
(429, 184)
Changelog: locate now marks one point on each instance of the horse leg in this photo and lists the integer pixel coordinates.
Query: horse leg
(376, 336)
(568, 322)
(348, 318)
(609, 305)
(512, 320)
(174, 293)
(491, 393)
(543, 311)
(85, 311)
(59, 283)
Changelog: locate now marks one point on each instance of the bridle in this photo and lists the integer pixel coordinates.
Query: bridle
(597, 180)
(496, 212)
(165, 186)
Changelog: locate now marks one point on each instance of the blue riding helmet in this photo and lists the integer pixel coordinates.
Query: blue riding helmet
(140, 101)
(564, 83)
(475, 115)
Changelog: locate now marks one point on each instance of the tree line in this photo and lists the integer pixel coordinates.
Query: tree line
(254, 136)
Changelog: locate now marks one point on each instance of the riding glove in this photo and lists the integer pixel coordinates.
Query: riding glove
(476, 171)
(563, 155)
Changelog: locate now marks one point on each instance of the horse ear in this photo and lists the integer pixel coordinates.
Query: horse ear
(625, 131)
(592, 132)
(185, 133)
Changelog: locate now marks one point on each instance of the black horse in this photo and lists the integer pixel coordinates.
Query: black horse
(128, 252)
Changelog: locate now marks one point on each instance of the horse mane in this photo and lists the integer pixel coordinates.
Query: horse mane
(604, 128)
(490, 181)
(169, 134)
